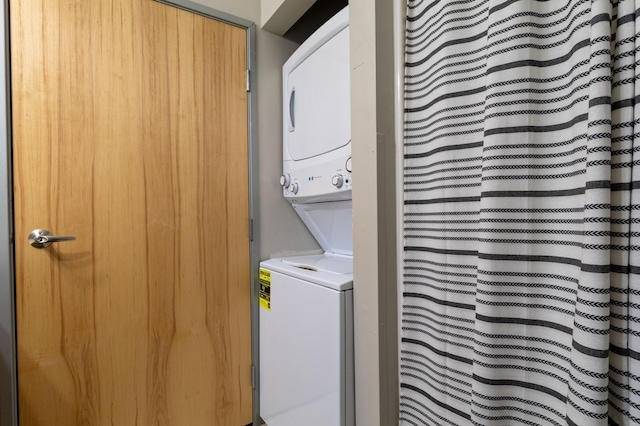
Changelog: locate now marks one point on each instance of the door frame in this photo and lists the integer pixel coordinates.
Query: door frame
(8, 347)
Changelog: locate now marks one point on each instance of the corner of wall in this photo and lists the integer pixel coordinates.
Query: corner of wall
(374, 206)
(281, 230)
(8, 379)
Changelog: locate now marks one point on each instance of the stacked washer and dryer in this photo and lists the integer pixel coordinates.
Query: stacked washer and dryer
(306, 314)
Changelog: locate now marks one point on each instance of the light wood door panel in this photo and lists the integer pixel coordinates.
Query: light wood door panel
(130, 133)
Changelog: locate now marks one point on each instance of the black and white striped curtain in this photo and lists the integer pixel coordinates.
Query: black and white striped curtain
(521, 290)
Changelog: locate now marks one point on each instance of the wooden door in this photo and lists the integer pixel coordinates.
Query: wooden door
(130, 133)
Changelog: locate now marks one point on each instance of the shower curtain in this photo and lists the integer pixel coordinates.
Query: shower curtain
(521, 286)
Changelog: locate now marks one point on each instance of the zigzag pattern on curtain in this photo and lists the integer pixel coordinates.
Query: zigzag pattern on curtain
(521, 290)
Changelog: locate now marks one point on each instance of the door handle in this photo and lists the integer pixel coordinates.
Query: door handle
(41, 238)
(292, 110)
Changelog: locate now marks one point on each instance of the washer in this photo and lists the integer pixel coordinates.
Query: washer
(306, 341)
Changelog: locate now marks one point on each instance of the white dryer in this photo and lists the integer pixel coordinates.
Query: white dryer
(306, 314)
(317, 117)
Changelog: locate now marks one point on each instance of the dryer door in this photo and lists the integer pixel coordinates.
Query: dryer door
(317, 105)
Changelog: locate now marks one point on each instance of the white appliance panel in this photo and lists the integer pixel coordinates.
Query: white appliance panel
(330, 223)
(317, 103)
(316, 110)
(313, 179)
(334, 272)
(303, 355)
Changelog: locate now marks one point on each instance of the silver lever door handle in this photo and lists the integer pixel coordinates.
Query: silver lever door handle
(41, 238)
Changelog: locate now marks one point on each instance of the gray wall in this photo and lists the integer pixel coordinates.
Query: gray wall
(7, 349)
(374, 206)
(281, 230)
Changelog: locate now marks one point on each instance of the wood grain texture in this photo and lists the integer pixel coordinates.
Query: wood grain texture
(130, 132)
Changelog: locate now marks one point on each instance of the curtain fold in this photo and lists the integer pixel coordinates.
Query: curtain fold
(521, 290)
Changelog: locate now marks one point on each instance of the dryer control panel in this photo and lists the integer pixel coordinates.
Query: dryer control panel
(330, 180)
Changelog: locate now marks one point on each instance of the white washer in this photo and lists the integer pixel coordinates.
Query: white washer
(306, 342)
(306, 327)
(306, 314)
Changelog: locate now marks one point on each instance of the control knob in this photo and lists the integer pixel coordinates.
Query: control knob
(285, 180)
(294, 188)
(337, 181)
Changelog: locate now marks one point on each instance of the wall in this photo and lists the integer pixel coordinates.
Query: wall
(245, 9)
(7, 397)
(278, 16)
(374, 204)
(281, 230)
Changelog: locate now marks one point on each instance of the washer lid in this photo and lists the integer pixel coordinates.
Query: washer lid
(335, 272)
(330, 223)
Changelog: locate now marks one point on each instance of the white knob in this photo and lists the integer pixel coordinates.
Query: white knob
(294, 188)
(348, 165)
(285, 180)
(337, 181)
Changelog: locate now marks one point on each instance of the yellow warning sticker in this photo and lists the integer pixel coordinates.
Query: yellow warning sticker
(265, 289)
